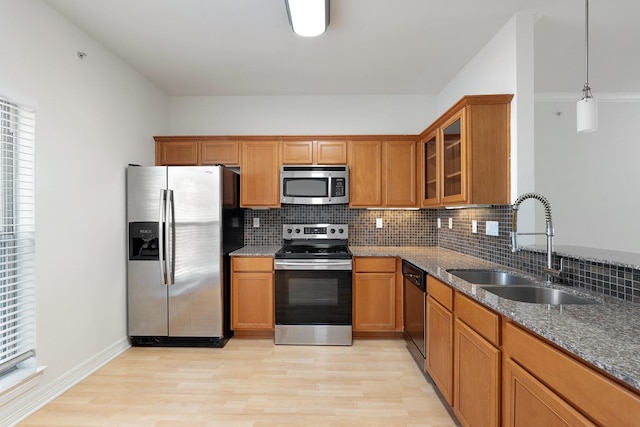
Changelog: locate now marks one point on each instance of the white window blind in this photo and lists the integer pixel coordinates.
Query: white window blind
(17, 235)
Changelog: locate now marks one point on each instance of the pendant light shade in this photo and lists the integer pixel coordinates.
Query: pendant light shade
(587, 107)
(308, 18)
(587, 115)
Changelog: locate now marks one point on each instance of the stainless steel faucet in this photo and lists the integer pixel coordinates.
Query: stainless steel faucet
(549, 270)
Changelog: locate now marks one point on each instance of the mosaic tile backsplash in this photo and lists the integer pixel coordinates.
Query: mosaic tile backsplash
(419, 228)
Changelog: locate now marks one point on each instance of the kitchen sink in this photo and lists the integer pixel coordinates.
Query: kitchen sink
(537, 295)
(491, 277)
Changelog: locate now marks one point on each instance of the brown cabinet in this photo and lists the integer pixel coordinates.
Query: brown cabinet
(466, 155)
(314, 152)
(252, 293)
(439, 335)
(382, 173)
(566, 388)
(177, 153)
(260, 169)
(196, 150)
(365, 173)
(399, 174)
(529, 403)
(477, 362)
(374, 294)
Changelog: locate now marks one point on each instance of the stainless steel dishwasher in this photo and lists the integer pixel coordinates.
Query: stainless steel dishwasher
(415, 293)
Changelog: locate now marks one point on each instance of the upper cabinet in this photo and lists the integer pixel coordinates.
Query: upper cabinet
(466, 153)
(314, 152)
(196, 150)
(260, 174)
(383, 173)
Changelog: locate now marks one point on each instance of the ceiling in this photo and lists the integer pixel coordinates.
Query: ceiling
(246, 47)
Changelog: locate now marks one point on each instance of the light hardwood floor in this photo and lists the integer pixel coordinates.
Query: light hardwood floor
(252, 382)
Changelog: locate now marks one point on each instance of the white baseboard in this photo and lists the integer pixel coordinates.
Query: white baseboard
(34, 399)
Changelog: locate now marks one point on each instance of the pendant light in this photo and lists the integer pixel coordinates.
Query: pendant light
(587, 107)
(308, 18)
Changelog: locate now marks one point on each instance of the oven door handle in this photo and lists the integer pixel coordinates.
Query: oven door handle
(310, 265)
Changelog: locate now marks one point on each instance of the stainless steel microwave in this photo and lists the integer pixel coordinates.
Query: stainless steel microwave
(314, 184)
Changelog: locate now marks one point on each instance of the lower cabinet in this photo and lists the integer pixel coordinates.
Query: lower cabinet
(476, 376)
(374, 294)
(562, 390)
(439, 331)
(529, 403)
(252, 294)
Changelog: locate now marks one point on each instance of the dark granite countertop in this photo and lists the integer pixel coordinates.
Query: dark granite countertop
(605, 334)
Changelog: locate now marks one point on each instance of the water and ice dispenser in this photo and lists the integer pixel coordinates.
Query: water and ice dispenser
(144, 244)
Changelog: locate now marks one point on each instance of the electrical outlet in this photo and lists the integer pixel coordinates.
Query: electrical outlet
(378, 222)
(256, 222)
(492, 228)
(439, 223)
(474, 226)
(450, 222)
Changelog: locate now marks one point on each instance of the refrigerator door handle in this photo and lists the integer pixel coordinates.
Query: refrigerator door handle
(161, 235)
(171, 239)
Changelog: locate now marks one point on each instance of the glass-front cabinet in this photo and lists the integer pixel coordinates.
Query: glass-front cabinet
(466, 153)
(454, 160)
(431, 195)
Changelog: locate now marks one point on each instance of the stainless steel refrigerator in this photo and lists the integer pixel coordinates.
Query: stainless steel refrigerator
(182, 224)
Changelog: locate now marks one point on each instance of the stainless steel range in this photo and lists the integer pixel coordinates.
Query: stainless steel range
(313, 285)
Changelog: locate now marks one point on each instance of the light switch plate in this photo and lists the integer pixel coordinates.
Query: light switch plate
(450, 222)
(439, 223)
(378, 222)
(474, 226)
(492, 228)
(256, 222)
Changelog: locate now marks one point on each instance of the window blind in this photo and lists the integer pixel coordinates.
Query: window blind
(17, 235)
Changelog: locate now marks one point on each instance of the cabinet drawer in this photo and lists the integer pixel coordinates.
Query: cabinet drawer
(375, 265)
(480, 319)
(252, 263)
(604, 401)
(440, 292)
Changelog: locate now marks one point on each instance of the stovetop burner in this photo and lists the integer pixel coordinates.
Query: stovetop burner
(321, 241)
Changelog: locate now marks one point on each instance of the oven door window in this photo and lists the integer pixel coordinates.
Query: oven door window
(313, 297)
(305, 187)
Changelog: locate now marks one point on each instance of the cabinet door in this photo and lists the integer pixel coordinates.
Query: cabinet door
(297, 152)
(476, 379)
(440, 347)
(220, 152)
(260, 168)
(431, 170)
(252, 301)
(528, 403)
(399, 180)
(330, 153)
(365, 174)
(454, 159)
(374, 302)
(177, 153)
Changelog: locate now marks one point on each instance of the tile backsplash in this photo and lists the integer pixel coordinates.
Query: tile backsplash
(419, 228)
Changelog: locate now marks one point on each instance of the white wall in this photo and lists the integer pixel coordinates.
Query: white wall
(301, 115)
(590, 179)
(504, 65)
(93, 116)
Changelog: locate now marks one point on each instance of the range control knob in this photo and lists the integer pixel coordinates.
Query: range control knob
(297, 231)
(332, 231)
(341, 231)
(289, 231)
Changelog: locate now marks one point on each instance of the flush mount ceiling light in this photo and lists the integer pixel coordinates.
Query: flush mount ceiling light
(308, 18)
(587, 107)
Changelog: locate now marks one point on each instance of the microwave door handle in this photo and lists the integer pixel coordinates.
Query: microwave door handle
(329, 189)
